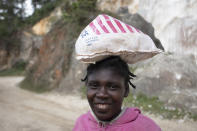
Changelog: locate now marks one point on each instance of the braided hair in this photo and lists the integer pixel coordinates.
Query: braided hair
(114, 63)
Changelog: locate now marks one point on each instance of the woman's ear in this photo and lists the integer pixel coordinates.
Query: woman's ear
(126, 91)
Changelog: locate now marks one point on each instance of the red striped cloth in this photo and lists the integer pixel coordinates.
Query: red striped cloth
(107, 24)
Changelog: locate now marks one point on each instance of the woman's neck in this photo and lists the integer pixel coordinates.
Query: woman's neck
(111, 121)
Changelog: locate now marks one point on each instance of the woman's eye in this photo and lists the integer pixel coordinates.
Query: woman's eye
(113, 87)
(93, 86)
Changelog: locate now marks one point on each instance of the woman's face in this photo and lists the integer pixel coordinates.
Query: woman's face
(105, 93)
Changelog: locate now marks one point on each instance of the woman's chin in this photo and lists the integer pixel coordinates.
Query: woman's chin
(103, 115)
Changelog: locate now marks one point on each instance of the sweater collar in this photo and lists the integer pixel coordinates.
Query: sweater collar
(108, 122)
(126, 115)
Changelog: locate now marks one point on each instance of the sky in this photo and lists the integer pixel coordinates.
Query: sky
(28, 8)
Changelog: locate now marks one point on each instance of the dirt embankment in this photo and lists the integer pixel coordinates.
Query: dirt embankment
(21, 110)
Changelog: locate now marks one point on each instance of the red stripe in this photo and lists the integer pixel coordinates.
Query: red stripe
(101, 25)
(94, 28)
(110, 24)
(120, 26)
(130, 29)
(137, 30)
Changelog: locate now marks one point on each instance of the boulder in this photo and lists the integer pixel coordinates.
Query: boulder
(175, 22)
(170, 77)
(45, 25)
(52, 59)
(72, 83)
(140, 23)
(30, 44)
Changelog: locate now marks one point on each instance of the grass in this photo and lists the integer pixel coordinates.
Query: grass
(83, 90)
(151, 105)
(29, 85)
(154, 106)
(133, 69)
(42, 12)
(17, 70)
(12, 72)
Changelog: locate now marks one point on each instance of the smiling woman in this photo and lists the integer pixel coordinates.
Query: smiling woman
(107, 84)
(109, 45)
(106, 87)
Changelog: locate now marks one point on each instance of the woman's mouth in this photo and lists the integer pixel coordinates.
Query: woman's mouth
(102, 106)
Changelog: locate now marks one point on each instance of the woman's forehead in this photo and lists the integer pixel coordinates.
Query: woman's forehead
(105, 74)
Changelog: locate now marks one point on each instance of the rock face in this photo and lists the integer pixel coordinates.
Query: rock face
(8, 56)
(30, 46)
(72, 82)
(175, 22)
(45, 25)
(170, 77)
(3, 56)
(52, 59)
(114, 5)
(139, 22)
(30, 42)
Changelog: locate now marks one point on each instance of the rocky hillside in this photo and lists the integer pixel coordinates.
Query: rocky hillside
(170, 76)
(174, 21)
(48, 48)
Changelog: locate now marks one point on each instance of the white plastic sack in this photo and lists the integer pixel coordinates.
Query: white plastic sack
(106, 36)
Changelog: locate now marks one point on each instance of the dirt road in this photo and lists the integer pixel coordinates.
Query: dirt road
(22, 110)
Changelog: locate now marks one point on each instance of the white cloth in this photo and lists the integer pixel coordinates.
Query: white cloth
(106, 36)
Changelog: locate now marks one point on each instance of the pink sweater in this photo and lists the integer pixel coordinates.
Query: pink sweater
(130, 120)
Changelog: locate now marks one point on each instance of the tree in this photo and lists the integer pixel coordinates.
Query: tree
(11, 15)
(39, 3)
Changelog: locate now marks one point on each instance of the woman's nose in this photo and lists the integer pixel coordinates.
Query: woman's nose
(102, 93)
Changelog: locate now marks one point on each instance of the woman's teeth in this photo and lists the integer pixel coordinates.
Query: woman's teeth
(102, 106)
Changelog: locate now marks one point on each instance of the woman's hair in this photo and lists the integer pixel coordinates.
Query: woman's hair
(115, 63)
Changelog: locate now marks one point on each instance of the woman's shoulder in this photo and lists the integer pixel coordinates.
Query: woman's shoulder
(81, 122)
(148, 123)
(137, 119)
(83, 117)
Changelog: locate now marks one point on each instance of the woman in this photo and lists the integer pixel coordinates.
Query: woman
(107, 83)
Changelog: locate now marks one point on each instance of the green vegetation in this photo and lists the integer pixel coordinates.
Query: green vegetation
(28, 84)
(40, 13)
(83, 90)
(154, 106)
(17, 70)
(79, 14)
(12, 72)
(193, 116)
(151, 105)
(133, 69)
(13, 18)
